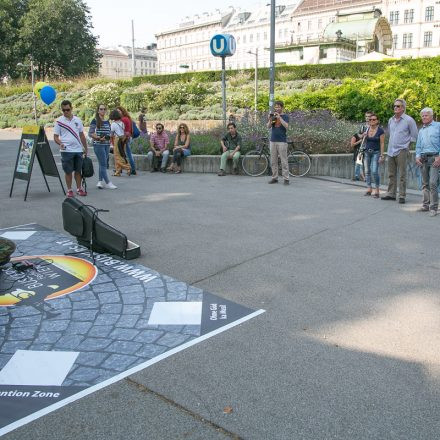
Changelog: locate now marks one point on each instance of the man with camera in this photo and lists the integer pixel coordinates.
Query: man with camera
(428, 158)
(278, 123)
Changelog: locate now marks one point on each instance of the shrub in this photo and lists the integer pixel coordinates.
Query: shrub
(133, 101)
(108, 94)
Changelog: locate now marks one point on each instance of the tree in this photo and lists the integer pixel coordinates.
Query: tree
(56, 34)
(11, 12)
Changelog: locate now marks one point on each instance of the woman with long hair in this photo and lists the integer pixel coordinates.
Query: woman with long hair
(99, 131)
(182, 148)
(374, 154)
(128, 124)
(119, 141)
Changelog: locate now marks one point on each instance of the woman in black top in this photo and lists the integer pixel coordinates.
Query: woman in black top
(374, 154)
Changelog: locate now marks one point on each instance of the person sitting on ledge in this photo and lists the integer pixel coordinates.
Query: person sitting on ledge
(158, 148)
(230, 144)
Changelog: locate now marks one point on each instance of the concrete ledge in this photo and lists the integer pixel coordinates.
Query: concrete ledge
(332, 165)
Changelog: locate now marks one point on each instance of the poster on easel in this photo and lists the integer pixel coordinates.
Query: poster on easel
(33, 143)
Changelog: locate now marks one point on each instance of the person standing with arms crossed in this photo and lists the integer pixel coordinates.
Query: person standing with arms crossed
(278, 123)
(403, 131)
(69, 135)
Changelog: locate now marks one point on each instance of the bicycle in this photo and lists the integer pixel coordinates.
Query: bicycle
(256, 162)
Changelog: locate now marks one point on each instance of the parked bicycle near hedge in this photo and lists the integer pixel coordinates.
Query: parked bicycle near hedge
(256, 162)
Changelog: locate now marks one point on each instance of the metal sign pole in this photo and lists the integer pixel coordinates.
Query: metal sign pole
(33, 92)
(272, 56)
(224, 91)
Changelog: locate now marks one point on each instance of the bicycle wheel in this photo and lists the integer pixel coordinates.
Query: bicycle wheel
(299, 163)
(255, 163)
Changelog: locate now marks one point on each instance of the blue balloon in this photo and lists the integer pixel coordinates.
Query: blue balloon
(48, 94)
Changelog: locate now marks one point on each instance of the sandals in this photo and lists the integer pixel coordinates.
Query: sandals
(368, 193)
(177, 171)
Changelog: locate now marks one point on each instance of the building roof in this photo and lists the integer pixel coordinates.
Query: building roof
(308, 6)
(372, 56)
(361, 30)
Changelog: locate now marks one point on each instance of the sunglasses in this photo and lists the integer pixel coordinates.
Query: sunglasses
(159, 128)
(102, 108)
(65, 110)
(397, 106)
(373, 119)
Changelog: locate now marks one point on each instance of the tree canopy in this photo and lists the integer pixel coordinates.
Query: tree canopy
(56, 35)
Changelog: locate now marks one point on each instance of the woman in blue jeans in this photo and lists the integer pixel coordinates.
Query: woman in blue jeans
(99, 131)
(374, 154)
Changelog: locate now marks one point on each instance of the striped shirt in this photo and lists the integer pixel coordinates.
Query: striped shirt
(160, 140)
(104, 130)
(69, 132)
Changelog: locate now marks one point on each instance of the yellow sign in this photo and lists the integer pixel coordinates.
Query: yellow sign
(31, 129)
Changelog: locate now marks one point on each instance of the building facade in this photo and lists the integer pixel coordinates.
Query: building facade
(117, 62)
(307, 31)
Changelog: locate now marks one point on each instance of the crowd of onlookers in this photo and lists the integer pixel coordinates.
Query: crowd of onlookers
(369, 153)
(117, 132)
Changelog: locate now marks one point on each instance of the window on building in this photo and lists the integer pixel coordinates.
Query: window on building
(244, 39)
(251, 38)
(265, 35)
(404, 41)
(395, 38)
(408, 16)
(258, 37)
(298, 27)
(394, 17)
(427, 39)
(409, 41)
(309, 25)
(429, 13)
(320, 23)
(322, 52)
(280, 33)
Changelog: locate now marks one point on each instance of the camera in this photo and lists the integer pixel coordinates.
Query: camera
(273, 118)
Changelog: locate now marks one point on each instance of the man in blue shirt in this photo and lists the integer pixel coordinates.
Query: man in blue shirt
(428, 158)
(278, 123)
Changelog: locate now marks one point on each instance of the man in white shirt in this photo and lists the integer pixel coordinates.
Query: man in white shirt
(69, 135)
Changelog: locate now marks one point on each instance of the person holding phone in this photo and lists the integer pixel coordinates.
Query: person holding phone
(99, 131)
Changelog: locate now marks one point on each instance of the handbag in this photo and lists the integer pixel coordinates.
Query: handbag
(87, 167)
(136, 132)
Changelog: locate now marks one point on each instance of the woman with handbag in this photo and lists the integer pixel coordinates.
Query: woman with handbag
(374, 154)
(99, 131)
(119, 141)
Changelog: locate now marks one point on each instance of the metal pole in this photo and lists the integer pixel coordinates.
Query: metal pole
(133, 65)
(224, 91)
(33, 92)
(256, 80)
(272, 56)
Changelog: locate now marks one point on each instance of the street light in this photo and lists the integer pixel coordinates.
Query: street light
(256, 78)
(31, 65)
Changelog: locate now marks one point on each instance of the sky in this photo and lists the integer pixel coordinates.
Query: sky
(112, 18)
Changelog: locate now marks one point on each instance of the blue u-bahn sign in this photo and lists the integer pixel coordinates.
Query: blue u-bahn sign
(222, 45)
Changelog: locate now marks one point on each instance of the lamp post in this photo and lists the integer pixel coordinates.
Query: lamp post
(256, 78)
(31, 65)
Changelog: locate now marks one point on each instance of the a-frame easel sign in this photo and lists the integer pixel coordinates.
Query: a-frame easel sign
(33, 143)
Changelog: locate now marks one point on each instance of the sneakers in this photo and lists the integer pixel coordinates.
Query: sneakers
(133, 173)
(401, 200)
(423, 209)
(70, 193)
(81, 192)
(272, 181)
(432, 213)
(221, 173)
(387, 197)
(110, 186)
(100, 185)
(286, 182)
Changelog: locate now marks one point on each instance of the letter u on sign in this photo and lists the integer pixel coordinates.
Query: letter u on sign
(222, 45)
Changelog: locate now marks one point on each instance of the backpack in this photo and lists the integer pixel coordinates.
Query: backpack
(136, 132)
(87, 167)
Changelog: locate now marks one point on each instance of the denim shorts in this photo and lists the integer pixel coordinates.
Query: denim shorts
(71, 162)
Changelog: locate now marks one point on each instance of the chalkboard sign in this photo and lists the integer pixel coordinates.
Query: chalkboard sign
(33, 143)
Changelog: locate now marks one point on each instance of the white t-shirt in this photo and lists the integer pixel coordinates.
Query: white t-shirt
(69, 131)
(117, 128)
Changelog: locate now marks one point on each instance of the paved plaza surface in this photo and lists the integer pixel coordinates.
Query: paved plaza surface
(348, 347)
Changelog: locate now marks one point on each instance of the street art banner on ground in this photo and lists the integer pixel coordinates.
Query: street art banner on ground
(69, 328)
